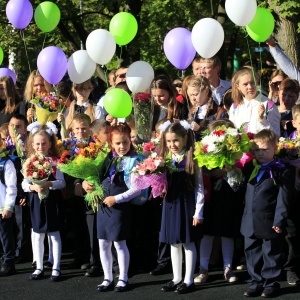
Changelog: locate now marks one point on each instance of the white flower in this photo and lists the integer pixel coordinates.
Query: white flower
(142, 172)
(232, 131)
(36, 163)
(281, 139)
(35, 175)
(40, 167)
(154, 155)
(212, 148)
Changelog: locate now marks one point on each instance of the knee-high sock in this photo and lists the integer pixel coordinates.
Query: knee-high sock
(190, 262)
(50, 257)
(205, 251)
(176, 258)
(38, 250)
(32, 244)
(123, 260)
(56, 247)
(106, 260)
(227, 250)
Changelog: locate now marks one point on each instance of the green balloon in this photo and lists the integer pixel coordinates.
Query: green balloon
(117, 103)
(262, 26)
(123, 27)
(47, 16)
(1, 55)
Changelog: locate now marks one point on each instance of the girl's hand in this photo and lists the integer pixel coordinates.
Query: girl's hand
(111, 120)
(38, 188)
(277, 229)
(60, 118)
(197, 221)
(30, 113)
(195, 126)
(261, 112)
(88, 187)
(110, 201)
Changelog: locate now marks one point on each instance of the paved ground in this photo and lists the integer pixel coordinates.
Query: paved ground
(143, 286)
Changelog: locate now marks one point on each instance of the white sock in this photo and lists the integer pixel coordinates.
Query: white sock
(190, 262)
(227, 250)
(50, 257)
(123, 261)
(205, 251)
(56, 247)
(32, 245)
(176, 258)
(38, 250)
(106, 260)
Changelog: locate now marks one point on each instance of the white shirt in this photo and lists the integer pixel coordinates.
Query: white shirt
(202, 111)
(219, 91)
(247, 112)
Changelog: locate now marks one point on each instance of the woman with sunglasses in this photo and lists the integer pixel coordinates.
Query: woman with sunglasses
(275, 80)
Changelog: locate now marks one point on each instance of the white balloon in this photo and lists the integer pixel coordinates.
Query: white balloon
(101, 46)
(207, 37)
(80, 66)
(241, 12)
(139, 76)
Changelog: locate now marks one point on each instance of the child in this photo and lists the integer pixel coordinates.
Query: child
(99, 131)
(222, 216)
(8, 194)
(114, 213)
(4, 131)
(181, 211)
(45, 214)
(296, 122)
(264, 218)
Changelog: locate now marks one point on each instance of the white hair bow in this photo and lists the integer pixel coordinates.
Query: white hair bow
(164, 126)
(185, 124)
(34, 127)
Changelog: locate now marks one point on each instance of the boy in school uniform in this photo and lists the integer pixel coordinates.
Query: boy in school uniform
(8, 194)
(269, 183)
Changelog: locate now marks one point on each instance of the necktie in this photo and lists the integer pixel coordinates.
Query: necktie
(80, 109)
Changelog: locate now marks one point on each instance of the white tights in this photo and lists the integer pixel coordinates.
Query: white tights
(206, 248)
(38, 250)
(190, 261)
(107, 260)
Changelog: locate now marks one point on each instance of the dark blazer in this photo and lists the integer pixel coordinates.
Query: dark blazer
(266, 203)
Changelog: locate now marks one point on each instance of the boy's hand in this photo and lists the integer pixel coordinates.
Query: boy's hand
(277, 229)
(6, 214)
(261, 112)
(88, 187)
(197, 221)
(110, 201)
(22, 202)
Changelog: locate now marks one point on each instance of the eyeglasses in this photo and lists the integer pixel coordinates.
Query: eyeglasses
(276, 83)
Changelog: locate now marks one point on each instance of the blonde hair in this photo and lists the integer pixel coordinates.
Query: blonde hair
(266, 135)
(28, 92)
(79, 118)
(295, 111)
(90, 108)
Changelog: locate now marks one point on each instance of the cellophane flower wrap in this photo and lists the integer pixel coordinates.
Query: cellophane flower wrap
(47, 107)
(85, 163)
(37, 169)
(151, 172)
(222, 147)
(143, 114)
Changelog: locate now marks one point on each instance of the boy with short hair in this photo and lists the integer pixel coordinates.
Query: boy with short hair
(264, 219)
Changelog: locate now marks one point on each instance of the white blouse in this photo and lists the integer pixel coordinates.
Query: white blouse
(247, 112)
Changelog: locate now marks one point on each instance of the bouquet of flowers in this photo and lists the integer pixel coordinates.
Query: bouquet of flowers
(288, 148)
(150, 172)
(47, 107)
(85, 163)
(143, 114)
(222, 147)
(37, 170)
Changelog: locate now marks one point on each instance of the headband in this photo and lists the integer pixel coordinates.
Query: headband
(34, 127)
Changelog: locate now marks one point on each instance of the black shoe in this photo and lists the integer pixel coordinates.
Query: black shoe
(122, 288)
(37, 276)
(252, 292)
(159, 270)
(55, 278)
(104, 288)
(7, 270)
(292, 278)
(170, 286)
(48, 265)
(184, 289)
(270, 292)
(93, 271)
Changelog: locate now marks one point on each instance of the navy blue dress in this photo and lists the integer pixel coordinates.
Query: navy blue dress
(113, 223)
(178, 211)
(46, 214)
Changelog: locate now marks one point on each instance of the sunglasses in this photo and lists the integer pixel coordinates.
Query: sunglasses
(177, 85)
(276, 83)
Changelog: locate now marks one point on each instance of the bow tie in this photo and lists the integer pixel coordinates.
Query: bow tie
(80, 109)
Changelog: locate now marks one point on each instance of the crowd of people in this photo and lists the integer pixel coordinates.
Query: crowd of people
(198, 214)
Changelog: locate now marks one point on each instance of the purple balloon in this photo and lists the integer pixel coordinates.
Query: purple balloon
(19, 13)
(178, 48)
(8, 72)
(52, 64)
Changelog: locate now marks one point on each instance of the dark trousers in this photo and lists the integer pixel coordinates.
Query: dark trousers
(164, 255)
(91, 220)
(270, 252)
(7, 240)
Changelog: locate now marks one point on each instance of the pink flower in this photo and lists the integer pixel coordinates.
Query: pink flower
(149, 146)
(240, 163)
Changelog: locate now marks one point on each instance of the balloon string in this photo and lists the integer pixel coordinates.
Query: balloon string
(120, 59)
(44, 40)
(250, 57)
(260, 59)
(26, 53)
(105, 76)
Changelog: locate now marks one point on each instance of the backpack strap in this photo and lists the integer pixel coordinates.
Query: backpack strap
(3, 161)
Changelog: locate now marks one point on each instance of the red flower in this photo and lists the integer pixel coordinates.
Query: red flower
(219, 132)
(205, 148)
(142, 96)
(41, 174)
(250, 135)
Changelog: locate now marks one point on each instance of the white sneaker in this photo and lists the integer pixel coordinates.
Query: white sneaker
(202, 277)
(230, 276)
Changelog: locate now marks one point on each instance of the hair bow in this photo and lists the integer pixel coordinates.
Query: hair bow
(164, 126)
